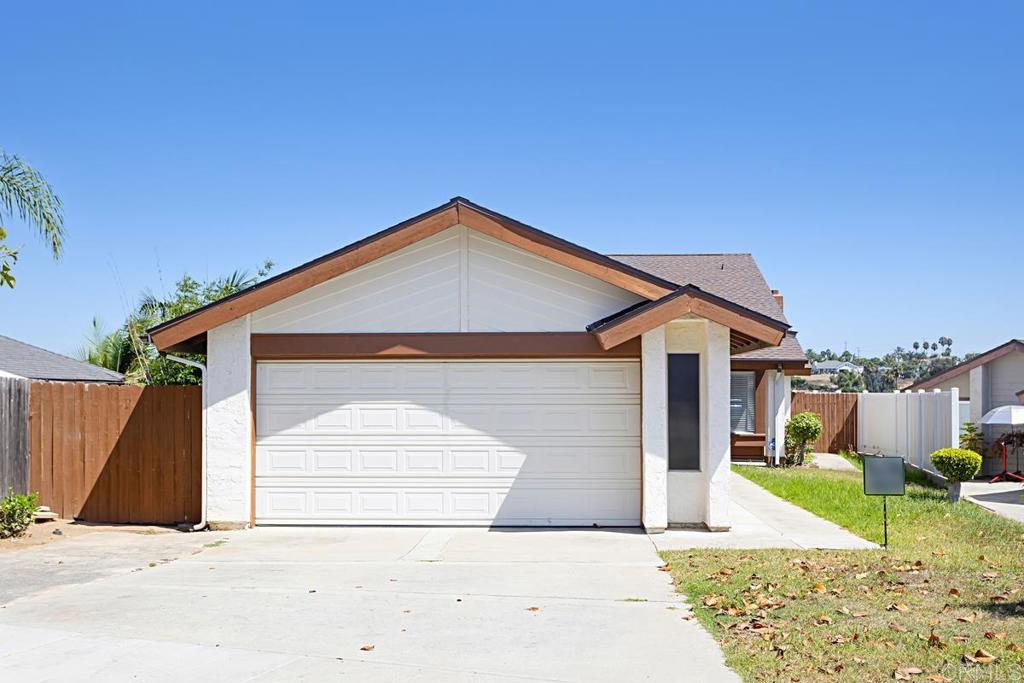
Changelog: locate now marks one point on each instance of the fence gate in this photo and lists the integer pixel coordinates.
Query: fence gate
(113, 453)
(838, 413)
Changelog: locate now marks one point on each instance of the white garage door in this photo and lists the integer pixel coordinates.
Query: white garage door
(506, 443)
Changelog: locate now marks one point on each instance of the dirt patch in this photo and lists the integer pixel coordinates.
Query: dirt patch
(63, 529)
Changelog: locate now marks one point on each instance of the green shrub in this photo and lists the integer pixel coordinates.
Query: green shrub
(802, 429)
(17, 511)
(956, 464)
(971, 438)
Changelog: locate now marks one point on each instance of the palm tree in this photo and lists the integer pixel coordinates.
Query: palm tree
(108, 350)
(25, 194)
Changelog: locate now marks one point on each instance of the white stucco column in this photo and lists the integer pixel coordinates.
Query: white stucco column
(654, 430)
(978, 392)
(716, 427)
(783, 415)
(229, 429)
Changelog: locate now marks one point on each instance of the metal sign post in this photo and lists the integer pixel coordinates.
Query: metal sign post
(884, 476)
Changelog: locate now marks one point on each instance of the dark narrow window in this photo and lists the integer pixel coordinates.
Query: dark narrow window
(683, 411)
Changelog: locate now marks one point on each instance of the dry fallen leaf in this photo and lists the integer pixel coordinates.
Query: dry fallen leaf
(904, 674)
(955, 592)
(984, 657)
(533, 609)
(367, 648)
(898, 607)
(819, 588)
(968, 619)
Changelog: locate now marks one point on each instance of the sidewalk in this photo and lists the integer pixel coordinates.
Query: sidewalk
(762, 520)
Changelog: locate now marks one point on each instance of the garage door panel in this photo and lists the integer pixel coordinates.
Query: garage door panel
(372, 378)
(515, 505)
(531, 461)
(545, 443)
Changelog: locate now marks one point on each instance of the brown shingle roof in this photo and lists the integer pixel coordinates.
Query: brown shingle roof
(788, 351)
(735, 277)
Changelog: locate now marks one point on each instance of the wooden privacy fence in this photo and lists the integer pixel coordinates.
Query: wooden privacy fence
(838, 413)
(13, 435)
(113, 453)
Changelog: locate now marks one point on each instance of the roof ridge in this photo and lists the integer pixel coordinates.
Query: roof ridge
(696, 253)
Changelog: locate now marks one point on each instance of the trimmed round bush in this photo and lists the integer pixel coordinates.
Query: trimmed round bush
(956, 464)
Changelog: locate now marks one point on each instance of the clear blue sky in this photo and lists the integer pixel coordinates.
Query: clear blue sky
(869, 154)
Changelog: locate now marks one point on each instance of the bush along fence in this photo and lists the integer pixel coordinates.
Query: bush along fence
(103, 452)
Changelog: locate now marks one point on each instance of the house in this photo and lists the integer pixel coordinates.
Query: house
(18, 359)
(833, 367)
(989, 380)
(462, 367)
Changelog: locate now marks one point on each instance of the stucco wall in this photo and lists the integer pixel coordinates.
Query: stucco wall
(654, 429)
(229, 430)
(703, 496)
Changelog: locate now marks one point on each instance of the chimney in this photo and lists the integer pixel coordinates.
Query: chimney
(778, 298)
(1020, 396)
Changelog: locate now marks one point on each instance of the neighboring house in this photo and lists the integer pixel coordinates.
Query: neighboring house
(989, 380)
(833, 367)
(986, 381)
(462, 367)
(18, 359)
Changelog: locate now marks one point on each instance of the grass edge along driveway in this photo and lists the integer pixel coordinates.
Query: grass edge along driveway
(943, 603)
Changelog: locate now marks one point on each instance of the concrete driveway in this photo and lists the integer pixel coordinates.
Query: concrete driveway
(363, 604)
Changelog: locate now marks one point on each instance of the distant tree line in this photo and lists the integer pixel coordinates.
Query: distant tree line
(898, 368)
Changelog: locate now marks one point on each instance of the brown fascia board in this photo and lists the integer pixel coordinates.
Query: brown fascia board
(968, 365)
(185, 331)
(602, 328)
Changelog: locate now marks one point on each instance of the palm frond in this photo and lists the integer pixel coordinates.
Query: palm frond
(26, 194)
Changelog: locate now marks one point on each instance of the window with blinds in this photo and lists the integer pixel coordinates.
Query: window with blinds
(741, 403)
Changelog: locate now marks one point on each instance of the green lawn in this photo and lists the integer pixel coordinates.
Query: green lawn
(945, 602)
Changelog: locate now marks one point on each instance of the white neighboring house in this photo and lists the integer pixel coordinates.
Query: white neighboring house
(462, 368)
(833, 367)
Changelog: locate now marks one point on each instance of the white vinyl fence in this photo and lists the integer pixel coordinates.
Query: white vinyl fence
(908, 424)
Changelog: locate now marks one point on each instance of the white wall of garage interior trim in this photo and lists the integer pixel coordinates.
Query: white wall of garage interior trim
(515, 443)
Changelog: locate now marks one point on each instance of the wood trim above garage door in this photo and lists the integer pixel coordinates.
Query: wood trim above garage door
(436, 346)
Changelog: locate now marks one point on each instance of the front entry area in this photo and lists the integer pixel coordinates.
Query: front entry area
(504, 443)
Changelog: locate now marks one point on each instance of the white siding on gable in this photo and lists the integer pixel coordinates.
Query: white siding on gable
(512, 290)
(457, 280)
(415, 289)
